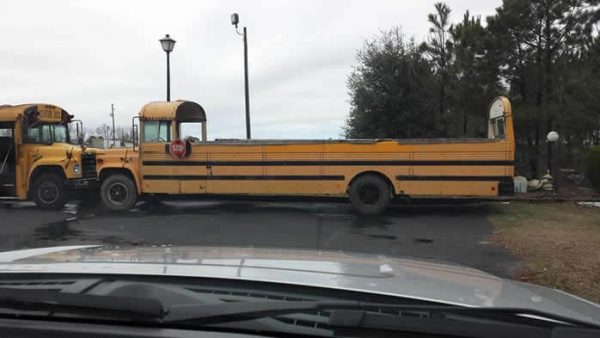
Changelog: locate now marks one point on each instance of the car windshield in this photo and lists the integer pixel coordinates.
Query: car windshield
(47, 134)
(437, 153)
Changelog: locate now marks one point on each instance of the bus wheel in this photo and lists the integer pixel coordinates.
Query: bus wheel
(370, 195)
(49, 192)
(118, 193)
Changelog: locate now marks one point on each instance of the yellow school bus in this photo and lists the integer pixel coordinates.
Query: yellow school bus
(38, 159)
(171, 159)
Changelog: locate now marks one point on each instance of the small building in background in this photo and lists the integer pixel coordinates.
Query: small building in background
(95, 141)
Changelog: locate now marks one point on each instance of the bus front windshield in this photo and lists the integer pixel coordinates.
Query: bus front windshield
(47, 134)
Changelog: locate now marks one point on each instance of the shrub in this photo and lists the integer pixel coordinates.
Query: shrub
(592, 166)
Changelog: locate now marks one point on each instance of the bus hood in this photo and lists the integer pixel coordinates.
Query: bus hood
(400, 277)
(61, 152)
(58, 149)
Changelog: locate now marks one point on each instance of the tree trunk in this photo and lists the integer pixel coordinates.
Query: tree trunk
(443, 108)
(532, 159)
(465, 122)
(536, 152)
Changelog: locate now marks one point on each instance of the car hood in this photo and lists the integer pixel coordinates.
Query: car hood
(418, 279)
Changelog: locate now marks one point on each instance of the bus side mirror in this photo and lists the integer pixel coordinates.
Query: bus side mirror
(80, 133)
(134, 132)
(134, 136)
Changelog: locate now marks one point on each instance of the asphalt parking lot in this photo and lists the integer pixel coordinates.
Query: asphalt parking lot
(453, 233)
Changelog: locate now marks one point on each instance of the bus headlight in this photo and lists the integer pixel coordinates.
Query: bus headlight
(76, 169)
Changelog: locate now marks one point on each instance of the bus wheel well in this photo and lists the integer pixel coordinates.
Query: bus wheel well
(112, 171)
(47, 169)
(372, 173)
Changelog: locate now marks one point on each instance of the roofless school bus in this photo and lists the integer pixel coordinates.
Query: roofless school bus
(168, 160)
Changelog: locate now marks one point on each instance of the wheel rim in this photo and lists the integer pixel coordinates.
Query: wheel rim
(117, 193)
(369, 194)
(48, 192)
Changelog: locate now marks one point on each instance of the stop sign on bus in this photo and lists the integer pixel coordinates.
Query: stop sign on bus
(178, 149)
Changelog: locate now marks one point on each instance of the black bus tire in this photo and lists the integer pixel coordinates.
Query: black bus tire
(49, 191)
(118, 193)
(370, 195)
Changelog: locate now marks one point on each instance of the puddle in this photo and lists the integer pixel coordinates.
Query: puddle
(59, 230)
(361, 222)
(117, 241)
(334, 217)
(424, 240)
(14, 204)
(388, 237)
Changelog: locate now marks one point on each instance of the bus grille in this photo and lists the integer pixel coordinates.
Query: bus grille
(88, 165)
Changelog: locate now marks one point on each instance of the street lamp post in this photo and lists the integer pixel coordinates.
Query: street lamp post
(235, 20)
(552, 139)
(167, 45)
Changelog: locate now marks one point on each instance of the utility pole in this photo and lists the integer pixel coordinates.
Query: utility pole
(235, 20)
(112, 115)
(246, 90)
(106, 136)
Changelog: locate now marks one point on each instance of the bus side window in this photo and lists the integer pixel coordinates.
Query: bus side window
(157, 131)
(191, 131)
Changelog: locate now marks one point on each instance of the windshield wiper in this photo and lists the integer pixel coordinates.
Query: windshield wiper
(436, 325)
(439, 319)
(81, 304)
(468, 322)
(207, 314)
(235, 311)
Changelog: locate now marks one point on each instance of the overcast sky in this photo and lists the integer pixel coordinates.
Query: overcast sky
(85, 55)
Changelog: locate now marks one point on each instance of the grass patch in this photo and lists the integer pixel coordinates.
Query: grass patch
(559, 244)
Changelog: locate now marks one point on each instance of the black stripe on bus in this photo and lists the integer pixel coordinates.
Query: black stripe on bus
(452, 178)
(247, 177)
(326, 163)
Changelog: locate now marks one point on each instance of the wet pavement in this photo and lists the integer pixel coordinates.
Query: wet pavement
(456, 233)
